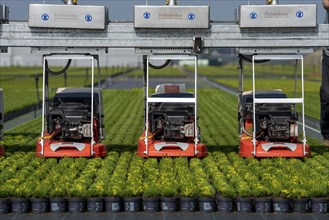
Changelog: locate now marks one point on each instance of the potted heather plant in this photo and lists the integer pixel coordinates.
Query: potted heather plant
(40, 202)
(6, 191)
(94, 194)
(244, 202)
(281, 201)
(151, 195)
(57, 200)
(113, 200)
(300, 199)
(225, 198)
(262, 201)
(76, 200)
(319, 201)
(132, 197)
(168, 198)
(188, 193)
(206, 197)
(21, 203)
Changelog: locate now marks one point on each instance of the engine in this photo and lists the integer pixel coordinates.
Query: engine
(276, 126)
(172, 121)
(69, 115)
(70, 121)
(274, 122)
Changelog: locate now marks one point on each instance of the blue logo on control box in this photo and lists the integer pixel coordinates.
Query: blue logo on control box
(88, 18)
(299, 14)
(146, 15)
(191, 16)
(253, 15)
(45, 16)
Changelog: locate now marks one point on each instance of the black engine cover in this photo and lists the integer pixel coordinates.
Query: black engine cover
(273, 121)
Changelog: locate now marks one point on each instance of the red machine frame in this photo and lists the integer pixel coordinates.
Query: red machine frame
(46, 145)
(147, 145)
(249, 145)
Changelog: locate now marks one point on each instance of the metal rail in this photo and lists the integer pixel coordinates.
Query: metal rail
(124, 35)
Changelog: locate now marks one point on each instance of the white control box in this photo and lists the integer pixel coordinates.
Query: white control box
(67, 16)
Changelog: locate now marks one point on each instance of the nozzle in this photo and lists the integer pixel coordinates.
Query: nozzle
(171, 2)
(70, 2)
(272, 2)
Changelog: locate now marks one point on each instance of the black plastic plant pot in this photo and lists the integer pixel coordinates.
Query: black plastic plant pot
(319, 205)
(225, 204)
(58, 205)
(76, 205)
(207, 204)
(132, 204)
(39, 205)
(244, 204)
(187, 204)
(263, 205)
(20, 205)
(5, 206)
(281, 205)
(113, 204)
(300, 205)
(95, 205)
(151, 204)
(168, 204)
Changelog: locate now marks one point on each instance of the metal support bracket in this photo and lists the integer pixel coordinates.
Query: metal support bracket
(3, 49)
(274, 50)
(4, 14)
(124, 35)
(69, 50)
(198, 44)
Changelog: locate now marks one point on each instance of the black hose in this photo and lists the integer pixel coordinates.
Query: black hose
(58, 72)
(248, 58)
(160, 67)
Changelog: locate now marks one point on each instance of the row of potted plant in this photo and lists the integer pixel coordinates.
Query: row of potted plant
(123, 175)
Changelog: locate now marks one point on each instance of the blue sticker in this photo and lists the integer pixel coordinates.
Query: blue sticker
(253, 15)
(45, 16)
(88, 18)
(299, 14)
(146, 15)
(191, 16)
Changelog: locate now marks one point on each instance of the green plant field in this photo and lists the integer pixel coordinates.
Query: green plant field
(222, 171)
(311, 91)
(19, 84)
(32, 71)
(127, 175)
(231, 70)
(166, 72)
(122, 173)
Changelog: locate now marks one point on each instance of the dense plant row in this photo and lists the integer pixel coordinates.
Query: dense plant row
(124, 174)
(127, 175)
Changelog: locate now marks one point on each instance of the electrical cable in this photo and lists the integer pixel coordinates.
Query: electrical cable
(160, 67)
(56, 73)
(249, 59)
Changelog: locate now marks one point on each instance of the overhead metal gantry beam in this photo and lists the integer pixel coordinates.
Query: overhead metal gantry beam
(124, 35)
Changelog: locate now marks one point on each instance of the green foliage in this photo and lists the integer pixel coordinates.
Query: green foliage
(150, 190)
(41, 191)
(18, 97)
(115, 190)
(207, 190)
(122, 173)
